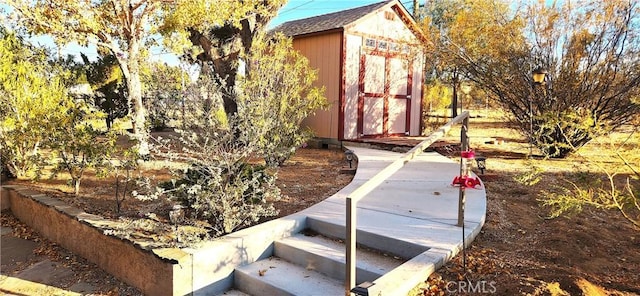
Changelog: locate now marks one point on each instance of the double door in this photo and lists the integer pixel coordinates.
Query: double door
(384, 95)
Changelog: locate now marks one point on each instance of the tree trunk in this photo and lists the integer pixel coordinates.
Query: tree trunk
(109, 121)
(76, 185)
(454, 102)
(134, 87)
(228, 65)
(221, 48)
(454, 99)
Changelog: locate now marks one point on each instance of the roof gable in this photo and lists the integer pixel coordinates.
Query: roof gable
(328, 22)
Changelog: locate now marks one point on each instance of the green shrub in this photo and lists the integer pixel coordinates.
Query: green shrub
(31, 99)
(78, 145)
(276, 96)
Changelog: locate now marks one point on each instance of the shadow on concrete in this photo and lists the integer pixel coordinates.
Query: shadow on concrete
(41, 277)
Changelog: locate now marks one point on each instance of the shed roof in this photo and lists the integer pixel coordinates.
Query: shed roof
(327, 22)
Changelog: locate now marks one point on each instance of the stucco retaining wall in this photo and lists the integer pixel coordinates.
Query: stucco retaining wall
(5, 203)
(205, 270)
(157, 272)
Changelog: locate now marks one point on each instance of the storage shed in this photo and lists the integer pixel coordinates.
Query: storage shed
(371, 65)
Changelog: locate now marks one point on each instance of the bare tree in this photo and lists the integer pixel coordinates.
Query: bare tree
(591, 54)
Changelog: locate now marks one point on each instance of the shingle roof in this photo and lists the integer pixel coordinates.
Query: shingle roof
(327, 22)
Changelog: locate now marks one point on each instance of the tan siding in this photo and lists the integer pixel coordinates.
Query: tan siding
(323, 52)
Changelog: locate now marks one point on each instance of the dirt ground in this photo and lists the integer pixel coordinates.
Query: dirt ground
(519, 251)
(522, 253)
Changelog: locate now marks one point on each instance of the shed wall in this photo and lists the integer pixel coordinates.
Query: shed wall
(383, 23)
(352, 75)
(324, 54)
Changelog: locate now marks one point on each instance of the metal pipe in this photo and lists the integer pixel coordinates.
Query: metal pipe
(350, 241)
(464, 145)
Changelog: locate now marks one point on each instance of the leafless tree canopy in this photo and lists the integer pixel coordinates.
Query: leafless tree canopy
(590, 50)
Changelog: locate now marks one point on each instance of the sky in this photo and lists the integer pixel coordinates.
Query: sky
(294, 9)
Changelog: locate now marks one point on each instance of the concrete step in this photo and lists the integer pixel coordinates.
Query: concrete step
(327, 256)
(384, 243)
(274, 276)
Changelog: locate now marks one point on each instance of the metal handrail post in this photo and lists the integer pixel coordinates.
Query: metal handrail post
(350, 241)
(464, 145)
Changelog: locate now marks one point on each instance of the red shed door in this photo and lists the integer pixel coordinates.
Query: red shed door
(384, 96)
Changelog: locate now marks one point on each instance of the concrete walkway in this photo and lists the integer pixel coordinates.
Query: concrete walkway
(417, 207)
(411, 215)
(418, 203)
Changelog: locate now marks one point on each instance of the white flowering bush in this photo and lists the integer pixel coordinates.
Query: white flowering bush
(221, 185)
